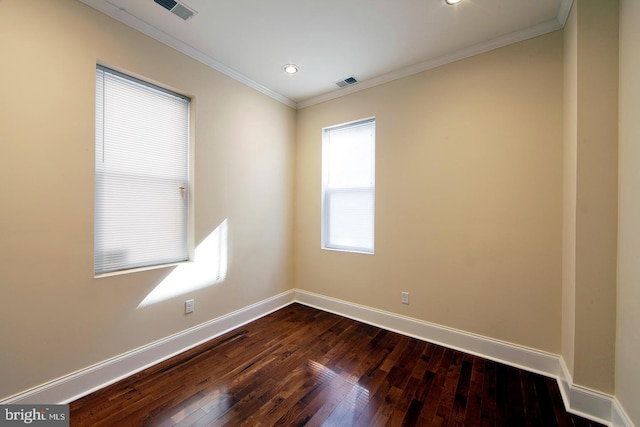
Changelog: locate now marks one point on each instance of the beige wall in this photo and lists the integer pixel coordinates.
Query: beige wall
(55, 317)
(570, 161)
(628, 309)
(468, 197)
(590, 200)
(470, 219)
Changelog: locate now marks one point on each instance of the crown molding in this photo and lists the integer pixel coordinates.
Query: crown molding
(119, 14)
(498, 42)
(136, 23)
(563, 11)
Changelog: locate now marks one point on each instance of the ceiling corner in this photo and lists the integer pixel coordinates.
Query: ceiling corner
(563, 11)
(123, 16)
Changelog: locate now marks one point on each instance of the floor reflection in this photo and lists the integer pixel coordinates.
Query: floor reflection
(353, 398)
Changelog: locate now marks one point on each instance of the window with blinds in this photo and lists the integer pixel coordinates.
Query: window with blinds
(348, 187)
(141, 174)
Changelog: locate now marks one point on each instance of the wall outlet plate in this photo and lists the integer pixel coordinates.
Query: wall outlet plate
(189, 306)
(405, 298)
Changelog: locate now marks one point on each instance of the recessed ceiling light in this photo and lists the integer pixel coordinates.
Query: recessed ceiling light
(452, 2)
(290, 68)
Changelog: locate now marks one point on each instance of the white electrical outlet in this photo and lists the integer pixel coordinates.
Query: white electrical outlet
(189, 306)
(405, 298)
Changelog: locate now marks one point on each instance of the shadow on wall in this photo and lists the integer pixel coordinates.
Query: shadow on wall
(208, 268)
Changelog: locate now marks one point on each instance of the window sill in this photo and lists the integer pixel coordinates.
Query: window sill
(138, 269)
(354, 251)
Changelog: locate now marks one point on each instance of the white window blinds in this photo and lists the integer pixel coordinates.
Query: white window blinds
(348, 187)
(141, 174)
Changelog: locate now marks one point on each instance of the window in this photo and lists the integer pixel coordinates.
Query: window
(141, 174)
(348, 187)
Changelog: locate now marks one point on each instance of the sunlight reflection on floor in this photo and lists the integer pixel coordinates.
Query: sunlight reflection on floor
(350, 393)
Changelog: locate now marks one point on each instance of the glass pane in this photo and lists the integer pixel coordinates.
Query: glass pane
(351, 157)
(142, 173)
(350, 220)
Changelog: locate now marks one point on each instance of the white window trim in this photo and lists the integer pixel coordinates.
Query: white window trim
(326, 192)
(190, 227)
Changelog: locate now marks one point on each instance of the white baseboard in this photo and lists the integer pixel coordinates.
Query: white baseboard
(619, 417)
(600, 407)
(578, 400)
(582, 401)
(500, 351)
(587, 403)
(85, 381)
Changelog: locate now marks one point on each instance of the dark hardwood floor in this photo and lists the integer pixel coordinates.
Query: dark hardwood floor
(304, 367)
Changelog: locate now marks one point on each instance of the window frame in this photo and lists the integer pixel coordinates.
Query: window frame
(188, 190)
(327, 191)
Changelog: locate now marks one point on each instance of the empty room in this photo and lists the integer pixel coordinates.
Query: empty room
(419, 212)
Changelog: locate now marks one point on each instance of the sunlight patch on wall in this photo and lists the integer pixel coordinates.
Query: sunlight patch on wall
(208, 268)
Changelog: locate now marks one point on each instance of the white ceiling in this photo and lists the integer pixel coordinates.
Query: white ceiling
(374, 40)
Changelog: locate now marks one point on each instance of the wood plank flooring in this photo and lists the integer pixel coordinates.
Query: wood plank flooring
(304, 367)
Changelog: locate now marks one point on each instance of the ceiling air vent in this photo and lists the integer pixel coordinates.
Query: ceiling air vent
(346, 82)
(179, 9)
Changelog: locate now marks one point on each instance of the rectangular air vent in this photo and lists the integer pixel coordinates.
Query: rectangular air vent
(178, 9)
(167, 4)
(346, 82)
